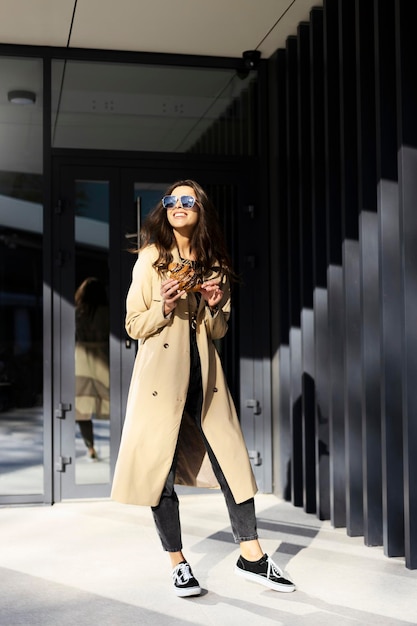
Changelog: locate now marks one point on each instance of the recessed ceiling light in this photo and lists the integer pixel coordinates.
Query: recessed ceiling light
(22, 97)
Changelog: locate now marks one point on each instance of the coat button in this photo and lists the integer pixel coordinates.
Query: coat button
(154, 393)
(215, 389)
(166, 345)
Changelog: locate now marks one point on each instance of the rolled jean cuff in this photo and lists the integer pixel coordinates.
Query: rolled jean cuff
(240, 539)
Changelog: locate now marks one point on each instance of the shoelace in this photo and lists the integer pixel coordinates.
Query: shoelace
(272, 567)
(182, 573)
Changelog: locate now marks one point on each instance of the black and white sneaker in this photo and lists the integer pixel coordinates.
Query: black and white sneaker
(265, 572)
(184, 582)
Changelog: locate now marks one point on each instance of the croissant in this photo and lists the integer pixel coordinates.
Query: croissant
(187, 277)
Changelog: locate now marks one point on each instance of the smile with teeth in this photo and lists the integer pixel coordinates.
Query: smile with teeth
(180, 214)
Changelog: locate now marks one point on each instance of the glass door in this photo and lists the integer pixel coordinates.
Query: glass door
(87, 335)
(98, 212)
(97, 216)
(91, 408)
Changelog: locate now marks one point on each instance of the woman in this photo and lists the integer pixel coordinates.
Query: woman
(180, 412)
(92, 377)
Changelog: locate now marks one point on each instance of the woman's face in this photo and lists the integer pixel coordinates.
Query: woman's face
(183, 220)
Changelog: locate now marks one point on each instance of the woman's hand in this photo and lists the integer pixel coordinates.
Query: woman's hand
(170, 295)
(211, 292)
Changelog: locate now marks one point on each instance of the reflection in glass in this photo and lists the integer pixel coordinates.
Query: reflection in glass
(116, 106)
(21, 283)
(91, 359)
(92, 378)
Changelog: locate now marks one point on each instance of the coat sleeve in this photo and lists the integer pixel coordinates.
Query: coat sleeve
(144, 314)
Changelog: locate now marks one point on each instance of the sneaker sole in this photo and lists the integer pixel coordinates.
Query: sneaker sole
(255, 578)
(187, 591)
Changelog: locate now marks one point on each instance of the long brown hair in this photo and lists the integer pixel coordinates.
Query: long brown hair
(207, 241)
(89, 296)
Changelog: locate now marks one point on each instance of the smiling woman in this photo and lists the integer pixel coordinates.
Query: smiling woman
(181, 424)
(183, 215)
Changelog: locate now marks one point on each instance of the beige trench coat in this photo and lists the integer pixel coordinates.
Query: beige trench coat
(158, 391)
(92, 376)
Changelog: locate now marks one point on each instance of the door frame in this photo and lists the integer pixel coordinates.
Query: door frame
(244, 173)
(63, 379)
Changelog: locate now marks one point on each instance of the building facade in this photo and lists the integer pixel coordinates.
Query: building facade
(310, 156)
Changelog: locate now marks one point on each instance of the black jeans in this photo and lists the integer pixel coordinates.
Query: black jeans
(86, 430)
(166, 513)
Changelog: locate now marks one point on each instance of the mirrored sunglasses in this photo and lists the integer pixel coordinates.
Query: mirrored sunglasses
(169, 202)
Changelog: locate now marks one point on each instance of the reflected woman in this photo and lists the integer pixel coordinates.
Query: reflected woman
(92, 377)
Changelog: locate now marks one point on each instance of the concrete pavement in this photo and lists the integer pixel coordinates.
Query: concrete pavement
(99, 562)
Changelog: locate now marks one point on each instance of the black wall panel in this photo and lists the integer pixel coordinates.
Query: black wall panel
(336, 405)
(371, 378)
(296, 417)
(279, 158)
(407, 168)
(332, 132)
(348, 76)
(352, 388)
(304, 159)
(408, 238)
(284, 407)
(322, 402)
(346, 198)
(308, 410)
(391, 308)
(319, 264)
(390, 297)
(369, 275)
(306, 266)
(317, 159)
(293, 190)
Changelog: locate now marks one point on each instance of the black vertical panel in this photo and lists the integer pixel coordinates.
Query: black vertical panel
(282, 196)
(285, 426)
(407, 168)
(337, 467)
(353, 413)
(332, 132)
(371, 370)
(321, 379)
(318, 203)
(279, 275)
(391, 300)
(390, 279)
(318, 171)
(350, 232)
(304, 147)
(293, 182)
(308, 411)
(294, 271)
(369, 276)
(306, 266)
(348, 119)
(296, 417)
(366, 128)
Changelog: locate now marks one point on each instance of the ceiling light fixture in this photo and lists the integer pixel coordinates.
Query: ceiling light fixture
(21, 97)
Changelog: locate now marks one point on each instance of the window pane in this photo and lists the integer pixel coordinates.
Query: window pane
(21, 280)
(114, 106)
(91, 359)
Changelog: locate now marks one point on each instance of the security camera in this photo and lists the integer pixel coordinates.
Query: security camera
(250, 61)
